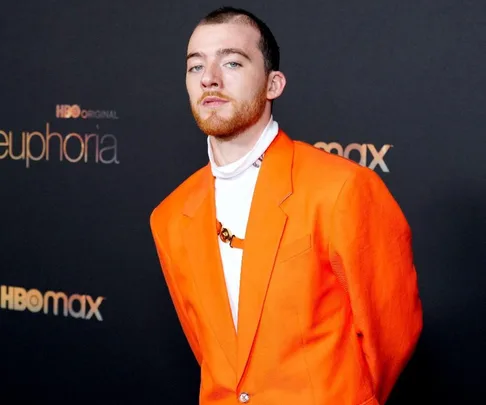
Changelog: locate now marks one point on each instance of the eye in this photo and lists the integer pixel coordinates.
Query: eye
(196, 68)
(233, 65)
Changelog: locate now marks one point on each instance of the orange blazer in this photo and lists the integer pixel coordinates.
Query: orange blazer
(329, 306)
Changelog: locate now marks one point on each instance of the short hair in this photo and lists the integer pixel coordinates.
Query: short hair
(267, 44)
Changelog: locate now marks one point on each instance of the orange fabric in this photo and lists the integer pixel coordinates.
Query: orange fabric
(329, 306)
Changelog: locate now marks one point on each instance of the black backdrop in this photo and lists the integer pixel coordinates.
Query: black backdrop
(386, 72)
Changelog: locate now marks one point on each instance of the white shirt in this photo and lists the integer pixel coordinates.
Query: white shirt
(234, 187)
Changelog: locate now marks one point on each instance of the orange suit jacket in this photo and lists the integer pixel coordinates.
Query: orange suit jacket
(329, 306)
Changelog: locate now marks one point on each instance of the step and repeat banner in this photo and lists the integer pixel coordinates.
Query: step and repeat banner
(96, 129)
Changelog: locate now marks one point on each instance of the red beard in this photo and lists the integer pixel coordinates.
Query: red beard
(245, 115)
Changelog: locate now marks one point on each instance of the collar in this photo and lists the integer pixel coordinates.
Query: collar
(252, 158)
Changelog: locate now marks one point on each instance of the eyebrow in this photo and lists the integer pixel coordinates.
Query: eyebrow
(220, 52)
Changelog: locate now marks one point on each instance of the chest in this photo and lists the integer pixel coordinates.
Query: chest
(233, 198)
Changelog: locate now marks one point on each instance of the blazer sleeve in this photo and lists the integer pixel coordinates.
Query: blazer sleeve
(371, 252)
(167, 270)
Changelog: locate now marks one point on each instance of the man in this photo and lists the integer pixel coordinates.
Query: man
(290, 268)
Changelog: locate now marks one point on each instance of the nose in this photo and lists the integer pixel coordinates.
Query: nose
(211, 78)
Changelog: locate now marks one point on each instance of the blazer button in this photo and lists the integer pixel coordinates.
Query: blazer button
(244, 398)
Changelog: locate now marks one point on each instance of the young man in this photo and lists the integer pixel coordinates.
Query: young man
(290, 268)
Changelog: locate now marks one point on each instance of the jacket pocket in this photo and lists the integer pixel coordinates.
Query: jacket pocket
(294, 248)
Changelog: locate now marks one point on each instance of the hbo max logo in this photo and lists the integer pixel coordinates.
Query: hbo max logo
(74, 306)
(367, 153)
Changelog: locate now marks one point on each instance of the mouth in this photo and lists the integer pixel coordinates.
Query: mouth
(213, 102)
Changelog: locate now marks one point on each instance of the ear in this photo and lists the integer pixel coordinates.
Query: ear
(276, 84)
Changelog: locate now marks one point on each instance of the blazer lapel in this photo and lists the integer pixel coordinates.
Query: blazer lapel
(264, 231)
(203, 250)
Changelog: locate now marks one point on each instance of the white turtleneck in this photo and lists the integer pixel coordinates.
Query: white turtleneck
(234, 186)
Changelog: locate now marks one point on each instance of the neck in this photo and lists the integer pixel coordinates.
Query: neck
(229, 149)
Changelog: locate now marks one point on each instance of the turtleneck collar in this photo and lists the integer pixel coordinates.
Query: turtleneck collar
(255, 154)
